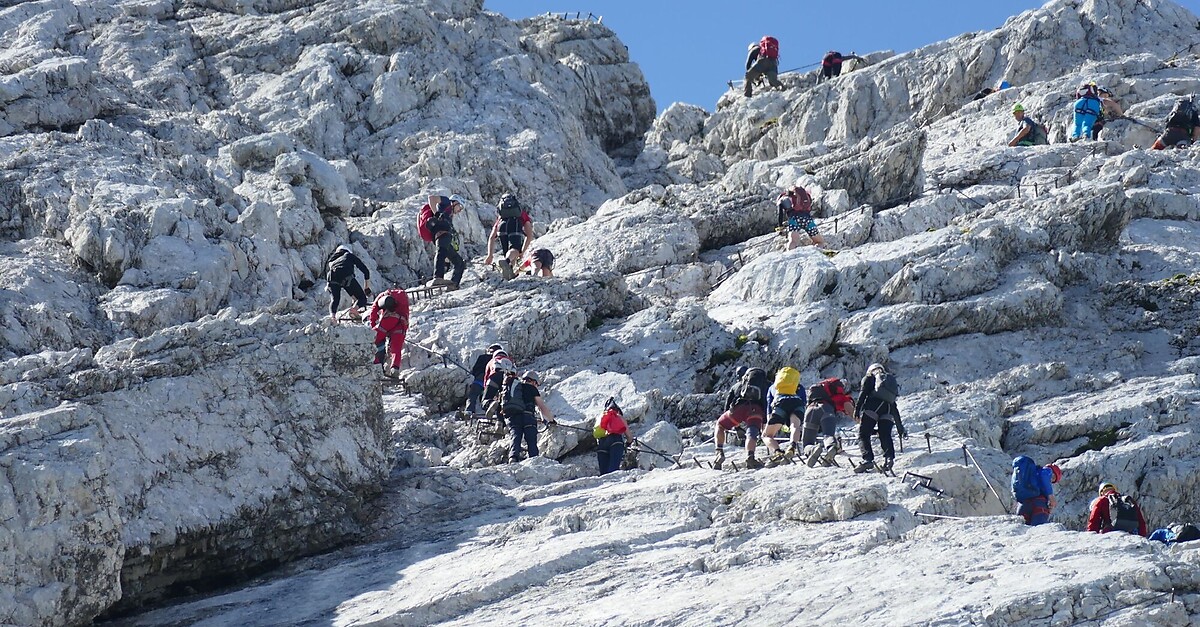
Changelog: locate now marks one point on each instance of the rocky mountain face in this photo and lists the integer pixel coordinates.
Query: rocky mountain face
(175, 413)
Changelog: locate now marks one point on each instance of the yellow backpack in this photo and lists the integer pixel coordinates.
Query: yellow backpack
(787, 380)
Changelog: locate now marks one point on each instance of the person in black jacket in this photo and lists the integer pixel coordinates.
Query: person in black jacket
(339, 272)
(877, 411)
(479, 374)
(521, 400)
(831, 64)
(442, 226)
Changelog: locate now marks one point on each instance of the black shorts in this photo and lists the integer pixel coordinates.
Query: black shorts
(511, 241)
(780, 419)
(544, 257)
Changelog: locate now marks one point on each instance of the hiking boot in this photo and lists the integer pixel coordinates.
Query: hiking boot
(718, 460)
(506, 269)
(778, 458)
(866, 466)
(887, 464)
(753, 463)
(440, 282)
(814, 454)
(831, 451)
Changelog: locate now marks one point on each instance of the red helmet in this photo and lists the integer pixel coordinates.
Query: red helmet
(1055, 473)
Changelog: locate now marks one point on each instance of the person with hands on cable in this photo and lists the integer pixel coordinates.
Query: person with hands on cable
(612, 437)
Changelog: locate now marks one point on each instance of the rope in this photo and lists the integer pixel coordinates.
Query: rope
(940, 516)
(985, 479)
(446, 359)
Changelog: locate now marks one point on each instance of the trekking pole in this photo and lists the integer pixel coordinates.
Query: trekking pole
(1003, 505)
(940, 516)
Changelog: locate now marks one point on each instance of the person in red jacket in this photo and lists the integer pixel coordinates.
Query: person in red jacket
(612, 436)
(1112, 511)
(389, 319)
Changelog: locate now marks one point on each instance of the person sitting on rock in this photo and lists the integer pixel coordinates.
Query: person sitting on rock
(514, 230)
(446, 239)
(827, 402)
(1029, 132)
(479, 375)
(1113, 511)
(1182, 128)
(612, 436)
(831, 64)
(795, 215)
(521, 398)
(877, 413)
(745, 404)
(493, 378)
(1033, 489)
(389, 319)
(339, 272)
(1087, 109)
(786, 402)
(762, 60)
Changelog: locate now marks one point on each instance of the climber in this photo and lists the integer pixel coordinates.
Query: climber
(827, 401)
(389, 319)
(831, 65)
(1087, 109)
(521, 398)
(493, 378)
(762, 60)
(339, 272)
(795, 214)
(514, 229)
(1110, 109)
(785, 400)
(442, 227)
(877, 412)
(1113, 511)
(1176, 533)
(479, 375)
(983, 93)
(612, 437)
(1029, 132)
(1182, 127)
(541, 262)
(1033, 489)
(746, 404)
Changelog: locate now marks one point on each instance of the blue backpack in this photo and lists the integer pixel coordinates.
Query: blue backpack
(1025, 483)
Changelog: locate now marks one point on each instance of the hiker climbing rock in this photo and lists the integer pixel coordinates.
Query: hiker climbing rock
(786, 402)
(540, 263)
(1110, 109)
(1182, 126)
(1033, 489)
(612, 437)
(795, 215)
(479, 375)
(493, 378)
(831, 64)
(877, 413)
(389, 319)
(987, 91)
(745, 404)
(1087, 110)
(521, 398)
(514, 230)
(435, 223)
(1029, 131)
(827, 402)
(1176, 533)
(339, 272)
(1113, 511)
(762, 60)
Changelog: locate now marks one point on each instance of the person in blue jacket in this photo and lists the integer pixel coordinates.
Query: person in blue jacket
(1033, 489)
(1087, 110)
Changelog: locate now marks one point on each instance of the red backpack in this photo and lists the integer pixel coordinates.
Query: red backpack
(768, 47)
(423, 219)
(801, 200)
(837, 393)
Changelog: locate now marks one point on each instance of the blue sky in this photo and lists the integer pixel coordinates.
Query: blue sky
(688, 50)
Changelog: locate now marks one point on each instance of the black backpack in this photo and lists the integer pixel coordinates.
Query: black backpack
(510, 208)
(1123, 513)
(887, 388)
(513, 402)
(753, 386)
(1182, 114)
(1187, 533)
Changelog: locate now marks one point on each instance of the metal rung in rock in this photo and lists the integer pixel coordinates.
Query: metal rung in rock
(923, 482)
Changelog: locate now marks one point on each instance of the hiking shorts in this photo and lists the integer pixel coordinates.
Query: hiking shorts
(749, 414)
(511, 241)
(806, 224)
(780, 418)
